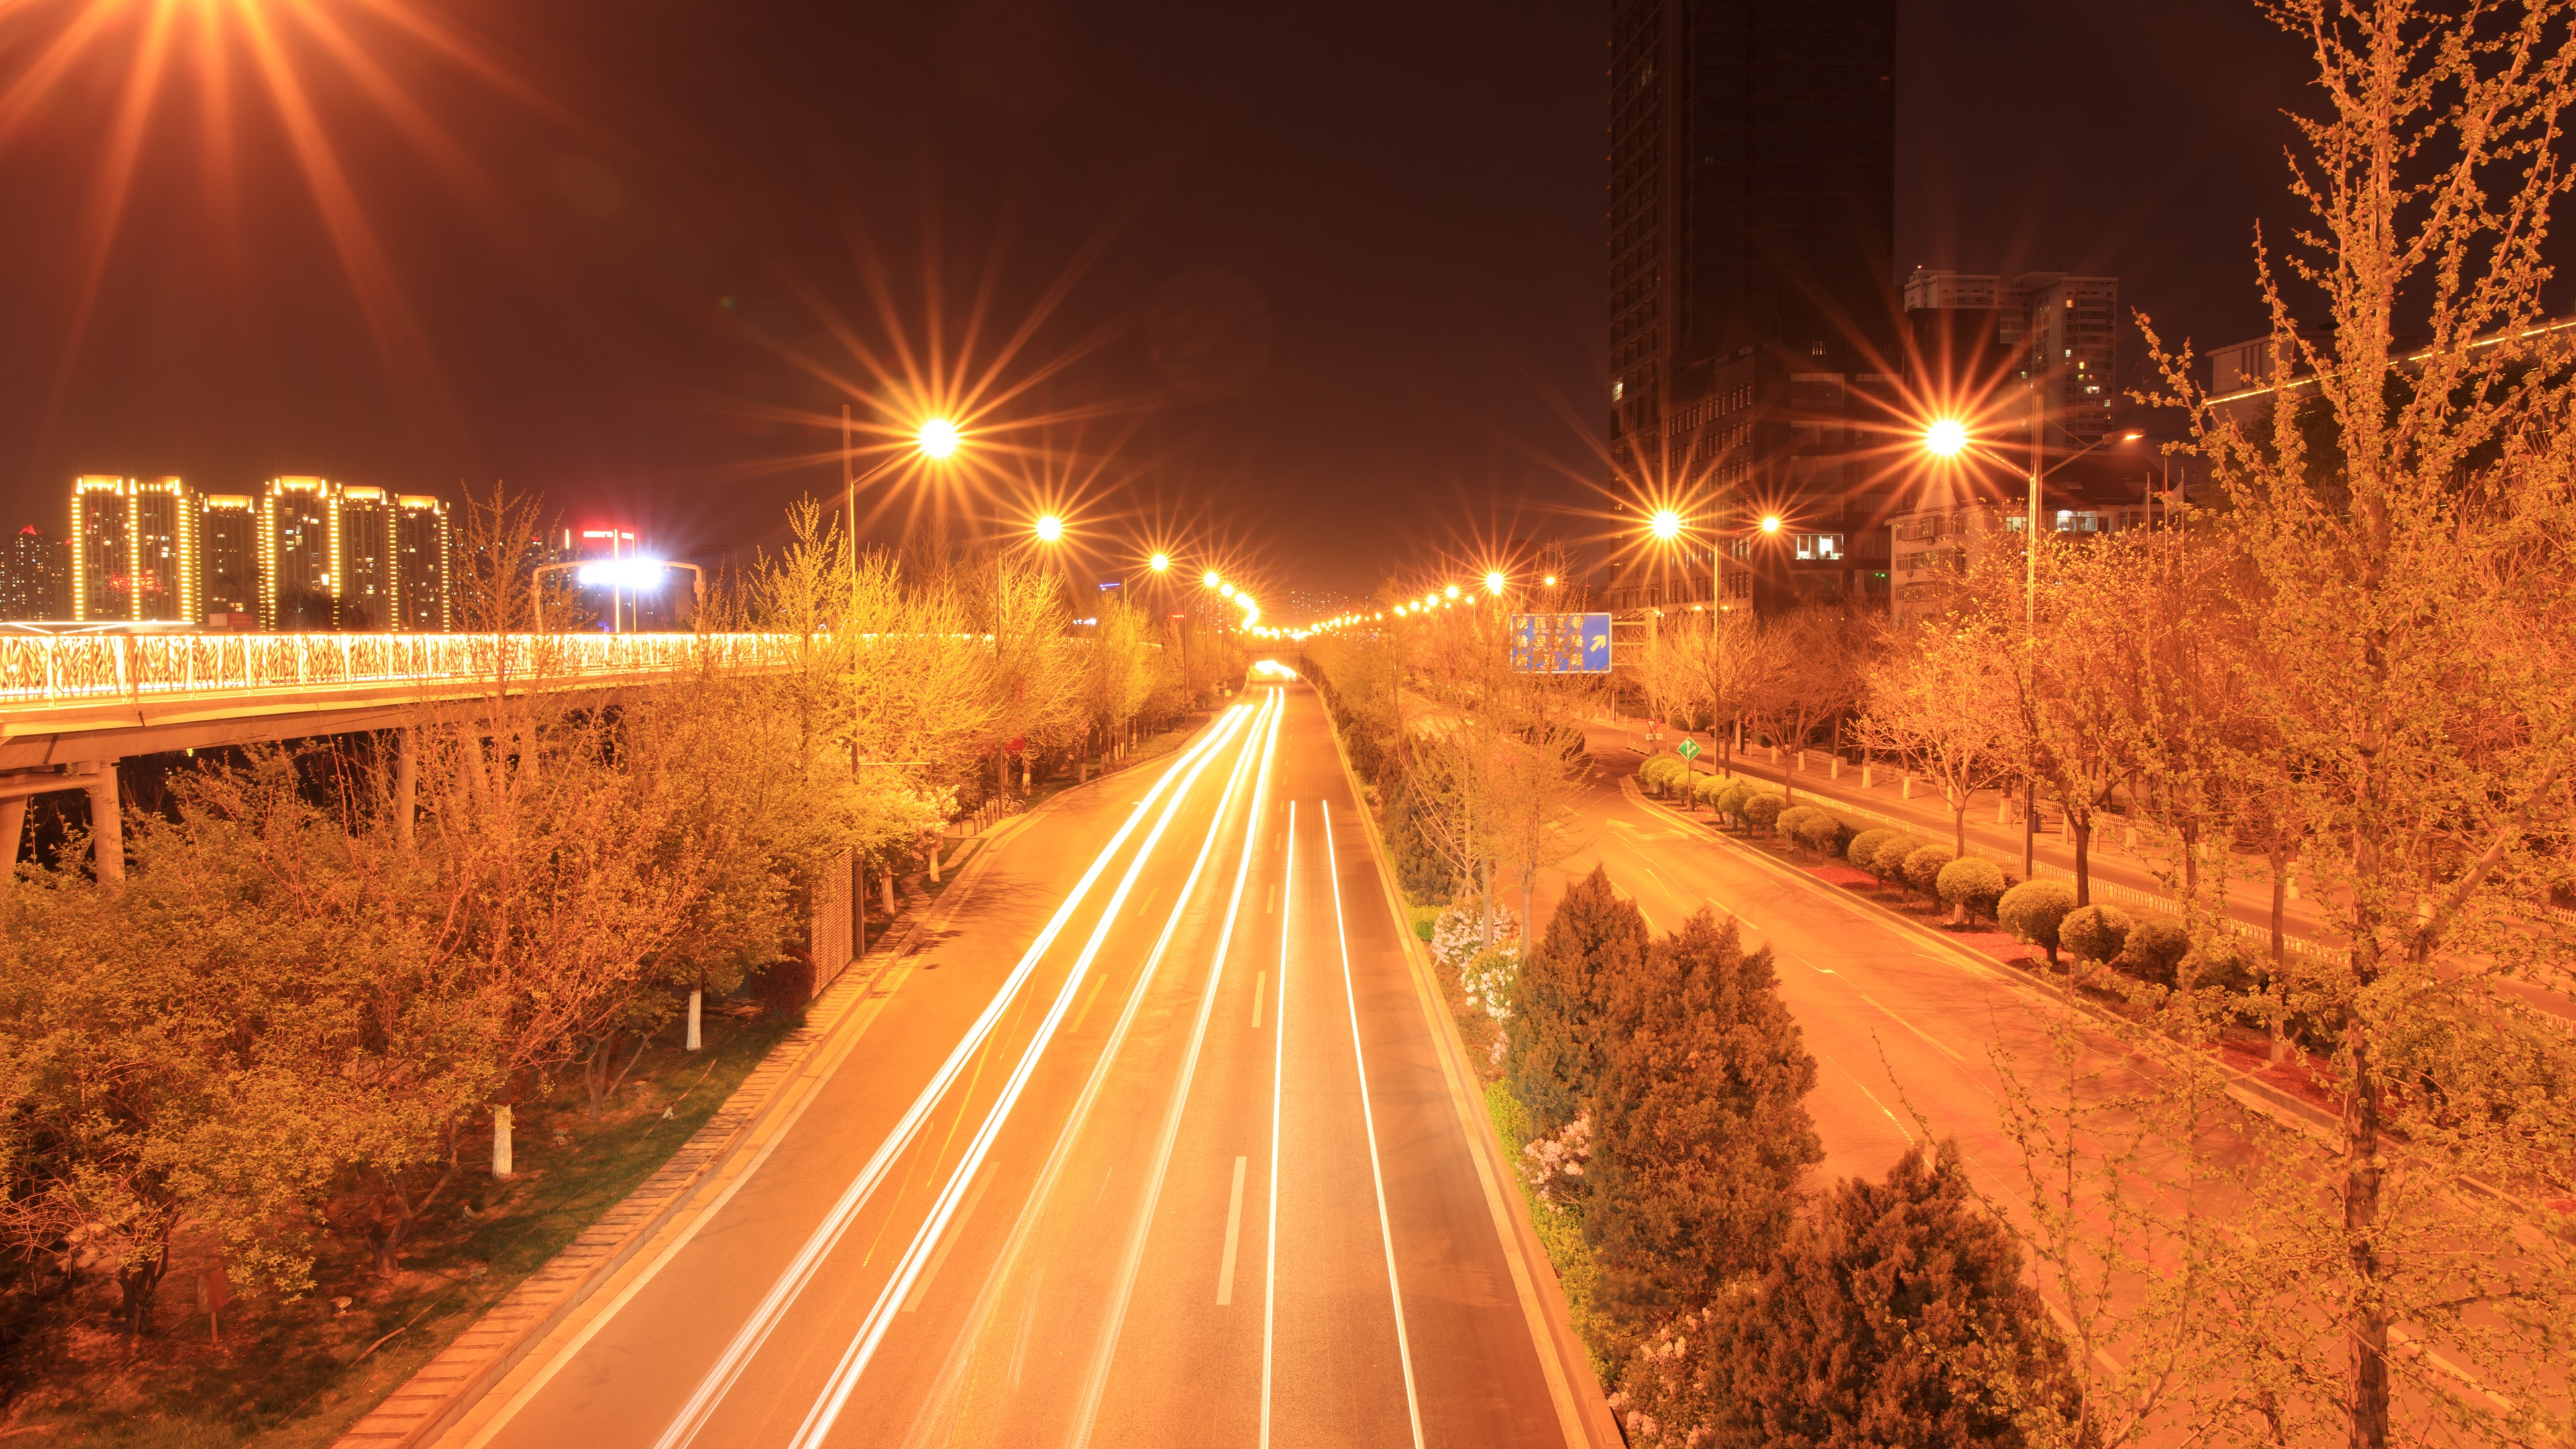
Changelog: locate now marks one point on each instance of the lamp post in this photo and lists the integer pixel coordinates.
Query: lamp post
(936, 439)
(1948, 438)
(1048, 529)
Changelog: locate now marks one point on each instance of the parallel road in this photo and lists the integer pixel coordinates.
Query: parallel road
(1153, 1146)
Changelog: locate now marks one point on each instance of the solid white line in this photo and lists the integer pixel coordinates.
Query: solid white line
(1114, 1320)
(819, 1244)
(1278, 1084)
(872, 1329)
(1233, 1237)
(1368, 1119)
(1260, 979)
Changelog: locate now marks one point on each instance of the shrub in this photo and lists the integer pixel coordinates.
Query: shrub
(1424, 919)
(1710, 787)
(1553, 1056)
(1762, 811)
(2094, 934)
(1460, 931)
(1656, 770)
(1888, 861)
(2032, 911)
(1489, 979)
(1862, 847)
(1793, 824)
(2218, 960)
(1922, 868)
(1970, 886)
(2155, 947)
(1730, 801)
(1821, 831)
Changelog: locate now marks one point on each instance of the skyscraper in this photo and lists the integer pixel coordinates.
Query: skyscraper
(228, 558)
(299, 553)
(1752, 277)
(422, 566)
(134, 549)
(33, 575)
(365, 572)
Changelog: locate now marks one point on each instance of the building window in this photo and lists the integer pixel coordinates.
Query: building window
(1824, 546)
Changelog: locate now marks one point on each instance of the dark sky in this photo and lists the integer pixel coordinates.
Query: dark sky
(1313, 285)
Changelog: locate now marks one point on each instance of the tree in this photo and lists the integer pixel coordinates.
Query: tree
(1941, 701)
(1895, 1315)
(1699, 1131)
(1812, 663)
(2390, 517)
(1552, 1051)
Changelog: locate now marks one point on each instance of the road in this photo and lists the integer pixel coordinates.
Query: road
(1151, 1145)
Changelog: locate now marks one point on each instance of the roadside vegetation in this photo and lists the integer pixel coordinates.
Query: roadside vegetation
(375, 1023)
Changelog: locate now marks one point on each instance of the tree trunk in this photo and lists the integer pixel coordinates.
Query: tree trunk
(137, 1284)
(885, 882)
(697, 995)
(2081, 831)
(501, 1164)
(2367, 1381)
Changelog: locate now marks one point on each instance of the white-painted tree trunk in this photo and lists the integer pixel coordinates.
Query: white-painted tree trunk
(936, 848)
(501, 1142)
(696, 996)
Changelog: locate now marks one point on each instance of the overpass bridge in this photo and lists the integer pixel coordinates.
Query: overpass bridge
(72, 705)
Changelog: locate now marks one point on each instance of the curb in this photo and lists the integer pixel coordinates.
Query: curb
(442, 1390)
(1583, 1409)
(2258, 1096)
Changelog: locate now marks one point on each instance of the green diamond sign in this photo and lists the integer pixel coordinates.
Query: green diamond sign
(1688, 749)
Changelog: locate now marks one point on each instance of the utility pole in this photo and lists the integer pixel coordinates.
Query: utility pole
(2030, 617)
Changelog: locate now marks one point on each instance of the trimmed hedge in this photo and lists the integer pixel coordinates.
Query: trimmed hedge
(1888, 861)
(1970, 886)
(1923, 868)
(2154, 949)
(2094, 934)
(1862, 848)
(2033, 910)
(1762, 811)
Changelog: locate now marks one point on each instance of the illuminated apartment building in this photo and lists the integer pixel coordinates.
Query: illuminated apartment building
(228, 559)
(365, 572)
(299, 554)
(134, 549)
(423, 602)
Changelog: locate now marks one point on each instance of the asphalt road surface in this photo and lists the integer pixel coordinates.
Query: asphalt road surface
(1150, 1145)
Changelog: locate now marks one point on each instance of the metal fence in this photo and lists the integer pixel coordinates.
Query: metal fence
(71, 669)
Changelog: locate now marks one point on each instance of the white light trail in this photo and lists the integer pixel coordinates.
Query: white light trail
(1368, 1120)
(872, 1330)
(1278, 1088)
(818, 1245)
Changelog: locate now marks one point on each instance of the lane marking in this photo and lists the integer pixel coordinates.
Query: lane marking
(791, 1282)
(1260, 979)
(1271, 906)
(1104, 1351)
(1278, 1088)
(1368, 1120)
(920, 1290)
(1090, 997)
(872, 1329)
(1233, 1236)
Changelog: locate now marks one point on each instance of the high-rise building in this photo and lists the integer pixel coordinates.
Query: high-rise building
(134, 549)
(422, 566)
(2059, 332)
(299, 553)
(365, 572)
(33, 576)
(1752, 279)
(228, 559)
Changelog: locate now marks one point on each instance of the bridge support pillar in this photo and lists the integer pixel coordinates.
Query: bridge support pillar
(406, 782)
(106, 825)
(13, 830)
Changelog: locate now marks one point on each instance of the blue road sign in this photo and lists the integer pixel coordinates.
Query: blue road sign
(1561, 643)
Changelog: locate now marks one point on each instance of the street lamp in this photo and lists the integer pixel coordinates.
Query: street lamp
(1160, 563)
(1666, 526)
(1494, 583)
(936, 439)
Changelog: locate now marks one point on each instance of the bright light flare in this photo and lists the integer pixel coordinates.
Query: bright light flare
(1550, 581)
(1945, 438)
(1666, 525)
(1049, 528)
(1452, 591)
(938, 438)
(1160, 563)
(622, 573)
(1771, 523)
(1494, 583)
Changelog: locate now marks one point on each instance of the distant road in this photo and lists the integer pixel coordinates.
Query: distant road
(1193, 1180)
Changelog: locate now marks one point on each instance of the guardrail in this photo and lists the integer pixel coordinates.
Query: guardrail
(74, 669)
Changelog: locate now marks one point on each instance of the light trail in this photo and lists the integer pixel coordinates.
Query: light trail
(872, 1330)
(1278, 1087)
(1368, 1120)
(1095, 1385)
(1024, 1228)
(818, 1246)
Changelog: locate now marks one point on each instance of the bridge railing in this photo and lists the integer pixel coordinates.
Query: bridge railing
(72, 669)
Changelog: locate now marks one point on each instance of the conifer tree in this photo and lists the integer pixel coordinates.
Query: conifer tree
(1699, 1134)
(1553, 1053)
(1895, 1315)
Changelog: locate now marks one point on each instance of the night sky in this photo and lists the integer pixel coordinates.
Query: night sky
(1317, 286)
